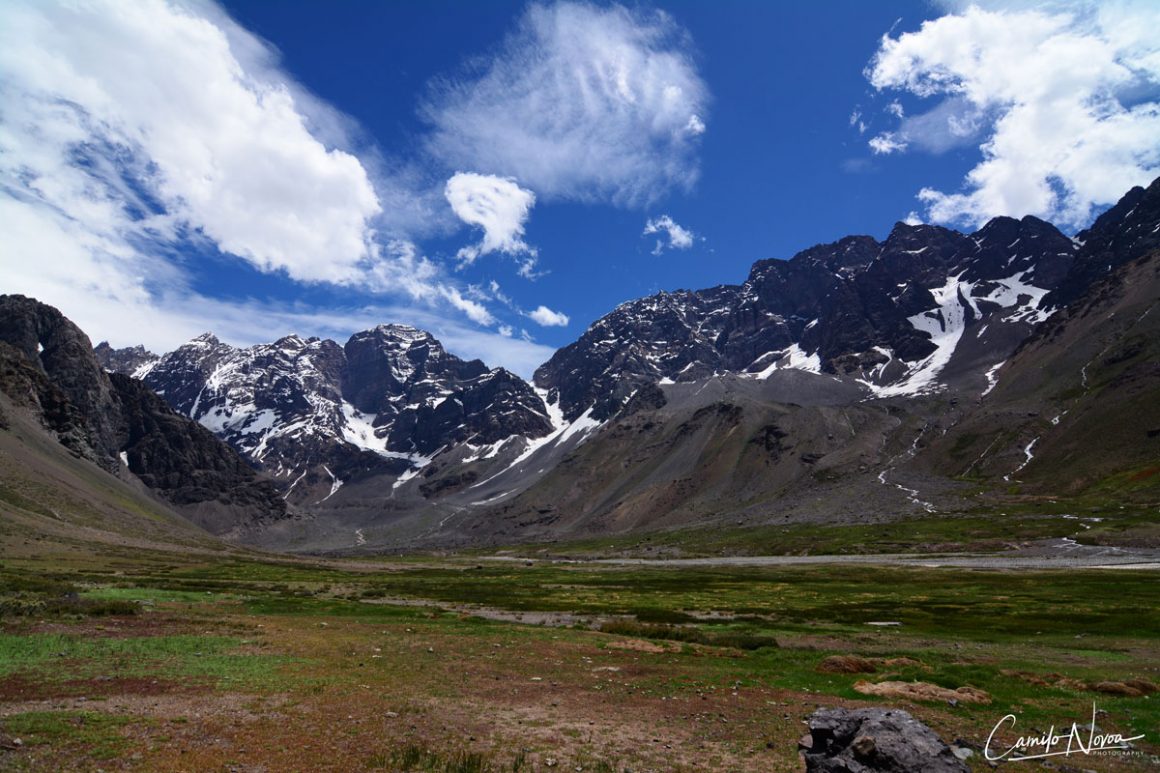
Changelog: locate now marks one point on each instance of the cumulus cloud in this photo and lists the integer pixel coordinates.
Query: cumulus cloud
(138, 138)
(544, 316)
(125, 110)
(1062, 95)
(677, 237)
(581, 102)
(500, 207)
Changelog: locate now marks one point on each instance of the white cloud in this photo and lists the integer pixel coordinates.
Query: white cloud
(857, 122)
(886, 143)
(1063, 94)
(548, 318)
(165, 112)
(953, 123)
(679, 238)
(500, 207)
(474, 310)
(581, 102)
(135, 137)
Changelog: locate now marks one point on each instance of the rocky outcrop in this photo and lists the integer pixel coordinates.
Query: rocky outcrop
(868, 740)
(312, 413)
(48, 366)
(891, 314)
(55, 347)
(1122, 234)
(131, 361)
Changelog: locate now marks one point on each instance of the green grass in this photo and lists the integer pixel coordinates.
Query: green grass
(694, 635)
(92, 734)
(992, 528)
(154, 595)
(963, 627)
(203, 659)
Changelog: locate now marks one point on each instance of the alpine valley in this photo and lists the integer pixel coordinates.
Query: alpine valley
(934, 374)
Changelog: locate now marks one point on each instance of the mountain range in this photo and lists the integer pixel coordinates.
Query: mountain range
(861, 380)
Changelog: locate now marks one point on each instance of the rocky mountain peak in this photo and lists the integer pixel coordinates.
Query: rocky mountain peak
(314, 413)
(131, 361)
(119, 424)
(1125, 232)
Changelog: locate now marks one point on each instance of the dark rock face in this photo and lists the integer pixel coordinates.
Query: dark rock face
(865, 740)
(57, 348)
(426, 398)
(29, 387)
(888, 314)
(183, 461)
(1123, 233)
(130, 361)
(311, 412)
(48, 365)
(395, 362)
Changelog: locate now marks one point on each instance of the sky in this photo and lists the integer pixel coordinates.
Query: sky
(502, 174)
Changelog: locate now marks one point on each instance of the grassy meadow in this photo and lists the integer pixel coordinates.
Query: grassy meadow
(140, 660)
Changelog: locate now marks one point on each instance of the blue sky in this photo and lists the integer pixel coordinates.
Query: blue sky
(503, 174)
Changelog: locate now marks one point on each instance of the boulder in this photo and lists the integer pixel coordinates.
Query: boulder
(864, 740)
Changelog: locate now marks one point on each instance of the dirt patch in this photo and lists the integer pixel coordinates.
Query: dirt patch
(145, 624)
(856, 664)
(847, 664)
(901, 663)
(1133, 688)
(922, 691)
(640, 645)
(21, 688)
(1129, 688)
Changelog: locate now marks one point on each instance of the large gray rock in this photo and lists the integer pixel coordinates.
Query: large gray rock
(864, 740)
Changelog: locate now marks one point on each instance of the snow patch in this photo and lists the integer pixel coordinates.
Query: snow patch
(562, 431)
(992, 378)
(944, 324)
(292, 485)
(1027, 450)
(489, 500)
(144, 369)
(1010, 290)
(335, 485)
(792, 358)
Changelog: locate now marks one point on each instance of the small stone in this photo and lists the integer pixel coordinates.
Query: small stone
(392, 714)
(863, 746)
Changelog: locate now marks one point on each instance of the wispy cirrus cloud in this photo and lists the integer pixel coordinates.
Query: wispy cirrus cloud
(581, 102)
(1063, 99)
